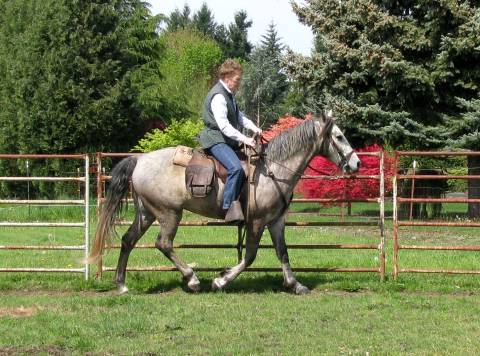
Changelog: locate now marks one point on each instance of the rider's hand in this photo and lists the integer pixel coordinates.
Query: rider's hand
(250, 142)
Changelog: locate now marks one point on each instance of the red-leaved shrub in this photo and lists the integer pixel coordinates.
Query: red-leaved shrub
(282, 124)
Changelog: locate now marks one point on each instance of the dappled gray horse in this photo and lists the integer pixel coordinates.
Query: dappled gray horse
(159, 193)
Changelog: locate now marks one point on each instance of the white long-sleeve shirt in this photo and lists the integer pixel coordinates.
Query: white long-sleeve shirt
(219, 110)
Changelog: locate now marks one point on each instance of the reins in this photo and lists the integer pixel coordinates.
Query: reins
(262, 143)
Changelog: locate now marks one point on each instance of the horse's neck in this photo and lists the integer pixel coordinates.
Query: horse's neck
(290, 170)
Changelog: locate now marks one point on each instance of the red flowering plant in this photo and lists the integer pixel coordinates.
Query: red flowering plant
(348, 189)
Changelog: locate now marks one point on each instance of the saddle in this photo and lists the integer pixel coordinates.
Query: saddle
(202, 169)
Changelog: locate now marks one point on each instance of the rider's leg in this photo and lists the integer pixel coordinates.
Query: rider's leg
(228, 158)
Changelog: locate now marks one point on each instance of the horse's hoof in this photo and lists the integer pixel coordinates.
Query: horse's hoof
(300, 289)
(122, 289)
(194, 285)
(216, 285)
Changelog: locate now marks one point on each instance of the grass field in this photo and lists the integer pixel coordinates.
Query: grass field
(346, 313)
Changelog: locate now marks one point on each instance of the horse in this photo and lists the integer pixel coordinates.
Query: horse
(159, 193)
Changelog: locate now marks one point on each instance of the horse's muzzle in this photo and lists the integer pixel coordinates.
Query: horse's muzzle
(352, 165)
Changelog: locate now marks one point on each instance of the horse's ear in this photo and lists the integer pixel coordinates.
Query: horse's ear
(329, 114)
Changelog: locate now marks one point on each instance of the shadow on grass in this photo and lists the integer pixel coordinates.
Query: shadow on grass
(259, 283)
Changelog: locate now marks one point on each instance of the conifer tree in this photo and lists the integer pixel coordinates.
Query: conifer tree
(69, 87)
(72, 73)
(464, 132)
(382, 66)
(238, 45)
(179, 19)
(204, 21)
(221, 37)
(264, 85)
(271, 43)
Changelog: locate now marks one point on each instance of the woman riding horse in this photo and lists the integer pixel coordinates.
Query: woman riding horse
(159, 193)
(221, 136)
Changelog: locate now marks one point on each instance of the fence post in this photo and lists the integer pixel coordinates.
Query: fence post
(87, 215)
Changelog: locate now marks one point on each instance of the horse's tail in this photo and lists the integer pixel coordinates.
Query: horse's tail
(117, 190)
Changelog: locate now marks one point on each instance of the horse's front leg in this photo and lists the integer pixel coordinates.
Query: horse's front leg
(254, 234)
(277, 231)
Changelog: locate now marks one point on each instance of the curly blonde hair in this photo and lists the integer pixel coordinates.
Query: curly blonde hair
(228, 68)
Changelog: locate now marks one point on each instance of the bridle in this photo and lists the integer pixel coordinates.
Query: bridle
(327, 140)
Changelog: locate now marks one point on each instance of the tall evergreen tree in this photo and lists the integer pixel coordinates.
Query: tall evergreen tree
(69, 87)
(264, 85)
(203, 21)
(383, 68)
(221, 37)
(179, 19)
(271, 43)
(464, 132)
(238, 44)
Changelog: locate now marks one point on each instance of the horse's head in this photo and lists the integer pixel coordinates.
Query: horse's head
(334, 146)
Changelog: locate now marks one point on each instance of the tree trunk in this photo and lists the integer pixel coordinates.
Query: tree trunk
(258, 114)
(474, 186)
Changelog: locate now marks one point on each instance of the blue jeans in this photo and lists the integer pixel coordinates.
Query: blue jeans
(228, 158)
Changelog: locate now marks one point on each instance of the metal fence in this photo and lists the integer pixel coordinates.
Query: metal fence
(398, 222)
(35, 224)
(379, 245)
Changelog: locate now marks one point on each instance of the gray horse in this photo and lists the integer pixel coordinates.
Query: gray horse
(159, 194)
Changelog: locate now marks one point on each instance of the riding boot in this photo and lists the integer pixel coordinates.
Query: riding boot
(234, 213)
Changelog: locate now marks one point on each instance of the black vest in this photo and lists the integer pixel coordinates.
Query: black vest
(211, 134)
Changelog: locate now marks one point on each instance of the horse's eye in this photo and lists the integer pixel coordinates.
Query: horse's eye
(339, 137)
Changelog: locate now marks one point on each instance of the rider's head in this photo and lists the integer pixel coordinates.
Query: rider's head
(230, 72)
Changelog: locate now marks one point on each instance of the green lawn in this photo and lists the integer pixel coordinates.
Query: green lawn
(346, 313)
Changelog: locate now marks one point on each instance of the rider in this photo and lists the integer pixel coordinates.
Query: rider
(221, 136)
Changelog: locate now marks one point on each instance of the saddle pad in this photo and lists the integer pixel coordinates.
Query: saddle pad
(182, 155)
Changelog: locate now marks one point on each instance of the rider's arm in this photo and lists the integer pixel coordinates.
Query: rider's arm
(248, 124)
(219, 110)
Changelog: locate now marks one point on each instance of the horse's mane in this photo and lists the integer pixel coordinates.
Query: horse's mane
(291, 141)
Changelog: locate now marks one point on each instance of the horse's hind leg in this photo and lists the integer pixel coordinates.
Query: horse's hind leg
(277, 232)
(254, 234)
(169, 221)
(143, 220)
